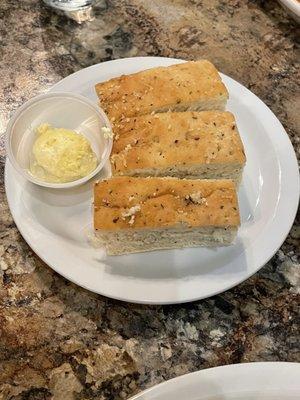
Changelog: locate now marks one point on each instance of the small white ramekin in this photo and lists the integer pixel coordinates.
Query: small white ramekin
(61, 110)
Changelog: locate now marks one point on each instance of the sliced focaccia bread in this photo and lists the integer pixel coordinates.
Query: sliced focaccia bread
(193, 85)
(142, 214)
(202, 145)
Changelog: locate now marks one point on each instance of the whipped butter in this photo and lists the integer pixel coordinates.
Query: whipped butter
(61, 155)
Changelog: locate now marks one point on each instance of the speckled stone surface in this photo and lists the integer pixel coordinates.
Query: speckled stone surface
(58, 341)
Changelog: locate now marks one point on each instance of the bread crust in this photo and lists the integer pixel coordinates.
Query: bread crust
(180, 139)
(146, 203)
(189, 85)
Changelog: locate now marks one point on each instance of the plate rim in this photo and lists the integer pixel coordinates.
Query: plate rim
(215, 371)
(291, 218)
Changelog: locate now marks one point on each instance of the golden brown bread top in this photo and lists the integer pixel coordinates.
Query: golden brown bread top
(162, 87)
(130, 203)
(180, 138)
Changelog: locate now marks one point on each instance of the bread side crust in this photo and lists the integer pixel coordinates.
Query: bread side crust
(128, 241)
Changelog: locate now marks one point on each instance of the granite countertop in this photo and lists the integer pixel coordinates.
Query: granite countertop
(59, 341)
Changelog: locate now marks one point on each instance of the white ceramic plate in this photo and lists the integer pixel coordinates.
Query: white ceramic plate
(252, 381)
(56, 223)
(293, 8)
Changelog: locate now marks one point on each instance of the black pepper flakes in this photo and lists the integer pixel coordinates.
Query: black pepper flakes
(115, 220)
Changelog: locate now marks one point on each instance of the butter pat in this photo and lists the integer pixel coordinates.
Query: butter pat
(61, 155)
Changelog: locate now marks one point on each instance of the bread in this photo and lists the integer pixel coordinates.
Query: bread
(194, 85)
(142, 214)
(204, 145)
